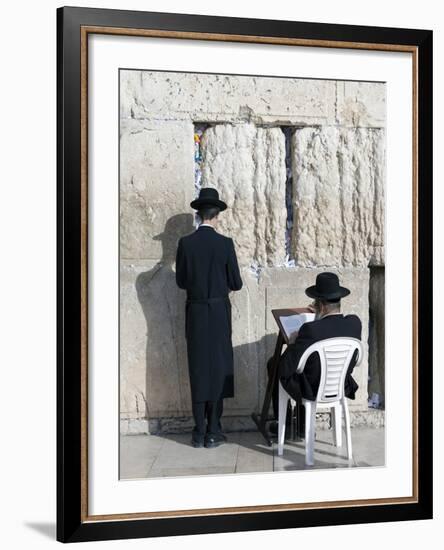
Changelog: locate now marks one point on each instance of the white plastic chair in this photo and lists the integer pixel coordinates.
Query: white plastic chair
(335, 355)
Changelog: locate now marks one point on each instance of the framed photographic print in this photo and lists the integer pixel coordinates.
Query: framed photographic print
(244, 274)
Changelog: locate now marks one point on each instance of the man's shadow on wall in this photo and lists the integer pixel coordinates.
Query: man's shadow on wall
(163, 305)
(167, 378)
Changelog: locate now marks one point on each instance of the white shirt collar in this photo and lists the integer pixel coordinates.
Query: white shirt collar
(206, 224)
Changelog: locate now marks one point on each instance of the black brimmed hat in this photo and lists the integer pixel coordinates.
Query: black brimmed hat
(327, 287)
(208, 197)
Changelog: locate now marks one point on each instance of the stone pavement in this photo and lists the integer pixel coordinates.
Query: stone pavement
(150, 456)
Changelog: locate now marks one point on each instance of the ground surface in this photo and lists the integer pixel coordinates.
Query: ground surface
(147, 456)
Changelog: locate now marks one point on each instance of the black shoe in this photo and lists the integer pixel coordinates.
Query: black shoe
(273, 428)
(214, 440)
(197, 437)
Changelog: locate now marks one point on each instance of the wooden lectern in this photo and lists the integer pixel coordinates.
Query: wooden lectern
(282, 338)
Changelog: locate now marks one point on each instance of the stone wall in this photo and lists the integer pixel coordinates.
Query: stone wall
(336, 203)
(338, 196)
(248, 164)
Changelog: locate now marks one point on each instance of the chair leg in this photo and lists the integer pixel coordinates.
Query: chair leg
(310, 428)
(347, 429)
(293, 429)
(336, 413)
(283, 400)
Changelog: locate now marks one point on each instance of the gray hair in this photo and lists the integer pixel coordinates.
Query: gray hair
(330, 305)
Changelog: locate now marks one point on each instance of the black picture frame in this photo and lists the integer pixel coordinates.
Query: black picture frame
(73, 523)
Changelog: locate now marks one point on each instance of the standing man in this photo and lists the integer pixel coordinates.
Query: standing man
(207, 268)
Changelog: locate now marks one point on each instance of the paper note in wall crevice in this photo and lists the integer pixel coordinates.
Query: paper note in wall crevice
(292, 323)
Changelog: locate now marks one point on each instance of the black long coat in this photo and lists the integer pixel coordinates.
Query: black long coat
(207, 268)
(306, 384)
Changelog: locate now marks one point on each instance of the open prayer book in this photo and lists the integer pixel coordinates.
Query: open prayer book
(292, 323)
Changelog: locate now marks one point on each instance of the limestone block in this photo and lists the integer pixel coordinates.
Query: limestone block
(132, 346)
(156, 184)
(247, 166)
(285, 287)
(371, 418)
(247, 309)
(338, 196)
(153, 355)
(154, 370)
(361, 104)
(226, 98)
(152, 340)
(134, 427)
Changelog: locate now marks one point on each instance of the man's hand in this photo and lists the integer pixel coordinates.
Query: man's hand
(312, 307)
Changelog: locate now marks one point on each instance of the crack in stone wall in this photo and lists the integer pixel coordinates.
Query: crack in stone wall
(377, 337)
(288, 133)
(199, 130)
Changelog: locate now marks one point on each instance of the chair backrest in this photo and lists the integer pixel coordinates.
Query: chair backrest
(335, 355)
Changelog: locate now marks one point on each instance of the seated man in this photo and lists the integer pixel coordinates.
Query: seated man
(329, 323)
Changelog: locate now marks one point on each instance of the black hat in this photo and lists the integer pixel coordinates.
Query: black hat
(327, 287)
(208, 196)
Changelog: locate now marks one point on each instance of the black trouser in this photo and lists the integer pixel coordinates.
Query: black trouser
(300, 409)
(210, 410)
